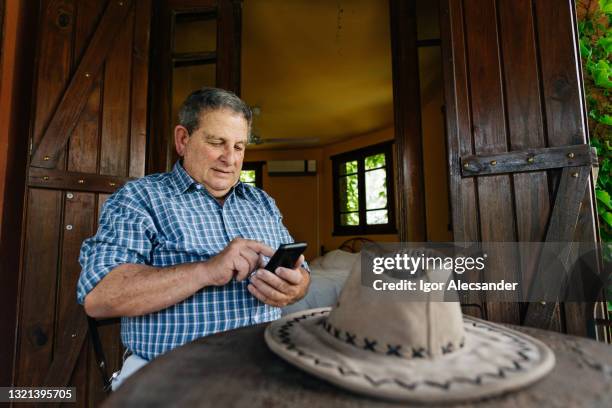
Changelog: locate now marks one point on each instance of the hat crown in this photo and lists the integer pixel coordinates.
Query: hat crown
(388, 323)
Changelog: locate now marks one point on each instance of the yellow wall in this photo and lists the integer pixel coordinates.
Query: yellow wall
(307, 201)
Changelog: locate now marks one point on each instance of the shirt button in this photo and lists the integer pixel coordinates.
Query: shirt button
(198, 186)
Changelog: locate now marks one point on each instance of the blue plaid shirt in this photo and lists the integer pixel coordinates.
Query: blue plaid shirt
(169, 219)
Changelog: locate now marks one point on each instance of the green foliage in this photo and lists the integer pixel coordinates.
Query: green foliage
(595, 30)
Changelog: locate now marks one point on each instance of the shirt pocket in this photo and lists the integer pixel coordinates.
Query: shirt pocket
(264, 228)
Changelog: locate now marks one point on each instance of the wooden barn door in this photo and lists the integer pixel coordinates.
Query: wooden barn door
(88, 138)
(513, 82)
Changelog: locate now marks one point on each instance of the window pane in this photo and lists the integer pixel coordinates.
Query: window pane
(349, 193)
(348, 167)
(376, 189)
(247, 176)
(377, 217)
(195, 35)
(349, 219)
(374, 162)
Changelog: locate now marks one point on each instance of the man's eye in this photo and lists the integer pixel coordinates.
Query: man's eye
(239, 148)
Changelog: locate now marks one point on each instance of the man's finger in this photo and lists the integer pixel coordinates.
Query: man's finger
(260, 296)
(274, 281)
(259, 247)
(299, 262)
(293, 276)
(242, 268)
(250, 256)
(268, 291)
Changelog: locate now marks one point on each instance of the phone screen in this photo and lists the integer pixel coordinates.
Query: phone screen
(286, 256)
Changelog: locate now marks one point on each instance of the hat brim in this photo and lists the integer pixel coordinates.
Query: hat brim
(493, 360)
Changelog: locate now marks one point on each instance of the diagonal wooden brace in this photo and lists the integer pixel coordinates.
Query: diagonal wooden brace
(548, 283)
(74, 99)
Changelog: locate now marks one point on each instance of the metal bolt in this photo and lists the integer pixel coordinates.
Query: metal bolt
(543, 303)
(121, 3)
(69, 196)
(530, 160)
(574, 175)
(69, 227)
(46, 178)
(112, 184)
(87, 75)
(73, 335)
(46, 158)
(80, 181)
(493, 162)
(570, 155)
(466, 165)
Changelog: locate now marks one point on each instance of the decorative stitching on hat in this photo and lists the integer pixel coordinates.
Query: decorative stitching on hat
(501, 373)
(391, 350)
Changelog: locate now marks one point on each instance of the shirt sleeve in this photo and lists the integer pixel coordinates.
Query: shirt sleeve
(126, 233)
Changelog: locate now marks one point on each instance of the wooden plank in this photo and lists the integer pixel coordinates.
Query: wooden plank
(528, 160)
(459, 141)
(54, 60)
(563, 221)
(115, 144)
(229, 29)
(74, 181)
(74, 99)
(38, 287)
(66, 352)
(79, 209)
(563, 98)
(489, 134)
(140, 83)
(525, 125)
(407, 119)
(83, 144)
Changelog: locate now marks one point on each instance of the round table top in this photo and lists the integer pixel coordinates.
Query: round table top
(236, 369)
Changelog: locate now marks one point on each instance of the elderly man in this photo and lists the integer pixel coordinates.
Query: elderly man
(174, 252)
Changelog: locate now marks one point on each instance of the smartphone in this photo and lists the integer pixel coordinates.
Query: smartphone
(286, 256)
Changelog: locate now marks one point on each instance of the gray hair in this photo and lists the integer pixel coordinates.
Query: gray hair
(208, 99)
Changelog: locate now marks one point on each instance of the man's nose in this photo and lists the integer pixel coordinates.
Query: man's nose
(229, 155)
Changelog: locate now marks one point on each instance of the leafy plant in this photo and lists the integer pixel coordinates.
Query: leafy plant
(595, 32)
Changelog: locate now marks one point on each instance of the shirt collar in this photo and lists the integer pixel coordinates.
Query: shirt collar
(180, 178)
(182, 181)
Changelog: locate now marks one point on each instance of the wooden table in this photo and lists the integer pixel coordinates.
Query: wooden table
(236, 369)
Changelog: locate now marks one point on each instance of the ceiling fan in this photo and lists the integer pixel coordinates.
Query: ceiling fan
(257, 140)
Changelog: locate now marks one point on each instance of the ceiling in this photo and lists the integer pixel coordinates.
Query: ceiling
(314, 69)
(317, 69)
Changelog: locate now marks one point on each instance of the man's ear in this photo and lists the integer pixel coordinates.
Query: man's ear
(181, 138)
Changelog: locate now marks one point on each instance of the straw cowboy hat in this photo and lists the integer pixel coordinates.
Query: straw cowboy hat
(379, 345)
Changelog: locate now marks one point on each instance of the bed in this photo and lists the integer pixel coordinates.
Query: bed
(327, 276)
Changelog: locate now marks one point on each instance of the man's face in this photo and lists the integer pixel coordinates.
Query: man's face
(214, 152)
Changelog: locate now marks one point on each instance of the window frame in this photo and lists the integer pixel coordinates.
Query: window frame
(359, 155)
(258, 167)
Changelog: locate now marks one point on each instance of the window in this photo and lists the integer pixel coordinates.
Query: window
(363, 191)
(251, 173)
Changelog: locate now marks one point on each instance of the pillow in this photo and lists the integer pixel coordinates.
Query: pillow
(339, 259)
(316, 263)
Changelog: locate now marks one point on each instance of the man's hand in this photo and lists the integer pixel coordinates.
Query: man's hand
(282, 288)
(237, 260)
